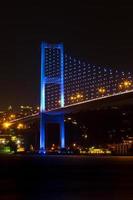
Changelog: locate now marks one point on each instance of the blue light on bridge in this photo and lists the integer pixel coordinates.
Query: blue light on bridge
(62, 75)
(62, 132)
(50, 76)
(42, 101)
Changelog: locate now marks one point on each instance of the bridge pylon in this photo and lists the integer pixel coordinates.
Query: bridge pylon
(52, 90)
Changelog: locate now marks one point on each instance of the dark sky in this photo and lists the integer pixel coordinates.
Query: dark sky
(100, 33)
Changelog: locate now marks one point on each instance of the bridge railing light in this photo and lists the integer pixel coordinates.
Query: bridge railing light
(77, 97)
(101, 90)
(120, 86)
(125, 85)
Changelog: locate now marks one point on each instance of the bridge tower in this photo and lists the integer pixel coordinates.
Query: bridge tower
(52, 90)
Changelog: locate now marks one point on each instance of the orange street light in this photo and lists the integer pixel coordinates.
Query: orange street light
(6, 125)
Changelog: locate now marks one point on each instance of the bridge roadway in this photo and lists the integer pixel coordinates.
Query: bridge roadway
(119, 99)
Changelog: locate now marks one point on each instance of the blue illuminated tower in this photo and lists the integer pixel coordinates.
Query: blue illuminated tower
(52, 89)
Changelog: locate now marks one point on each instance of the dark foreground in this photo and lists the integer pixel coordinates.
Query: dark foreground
(66, 178)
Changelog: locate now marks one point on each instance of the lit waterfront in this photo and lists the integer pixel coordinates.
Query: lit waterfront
(66, 177)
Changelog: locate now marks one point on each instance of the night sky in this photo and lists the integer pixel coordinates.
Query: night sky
(100, 33)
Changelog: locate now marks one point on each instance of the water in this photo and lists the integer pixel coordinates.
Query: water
(66, 178)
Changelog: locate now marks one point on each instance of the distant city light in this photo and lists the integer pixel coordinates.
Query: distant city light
(86, 136)
(20, 126)
(69, 118)
(74, 122)
(12, 116)
(6, 125)
(38, 108)
(18, 142)
(13, 138)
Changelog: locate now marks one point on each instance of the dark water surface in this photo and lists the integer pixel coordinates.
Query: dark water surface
(66, 178)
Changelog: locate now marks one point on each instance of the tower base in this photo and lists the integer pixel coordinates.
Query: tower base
(51, 118)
